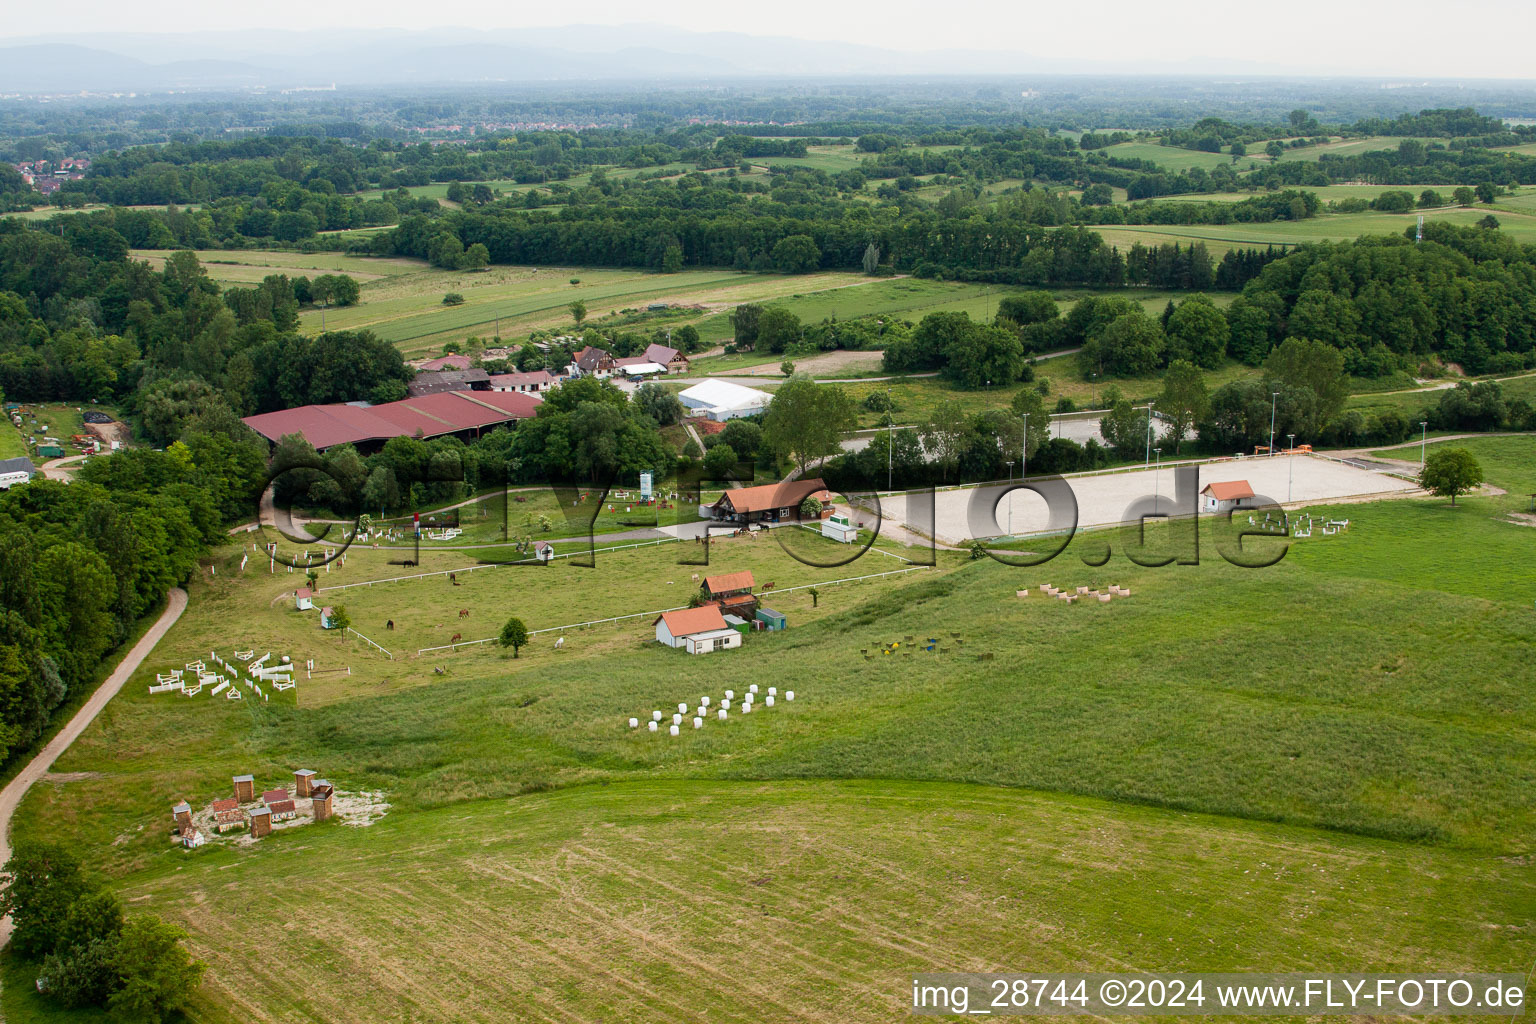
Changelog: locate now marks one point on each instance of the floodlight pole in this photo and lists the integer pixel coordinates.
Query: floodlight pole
(1157, 483)
(1024, 451)
(1273, 395)
(1290, 469)
(1423, 440)
(890, 444)
(1148, 460)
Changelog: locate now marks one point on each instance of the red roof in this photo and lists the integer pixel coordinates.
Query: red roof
(302, 593)
(766, 497)
(448, 412)
(657, 353)
(692, 620)
(281, 806)
(274, 794)
(1228, 490)
(730, 581)
(229, 803)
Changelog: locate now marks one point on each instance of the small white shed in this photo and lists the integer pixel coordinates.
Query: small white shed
(839, 528)
(697, 630)
(1223, 496)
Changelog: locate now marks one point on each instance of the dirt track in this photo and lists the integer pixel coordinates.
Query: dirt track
(10, 797)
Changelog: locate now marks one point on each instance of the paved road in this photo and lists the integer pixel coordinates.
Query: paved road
(10, 797)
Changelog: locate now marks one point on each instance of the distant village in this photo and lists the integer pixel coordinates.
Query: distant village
(48, 177)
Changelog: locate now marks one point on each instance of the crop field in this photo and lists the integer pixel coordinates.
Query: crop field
(249, 266)
(408, 310)
(917, 398)
(1174, 158)
(1301, 746)
(1349, 147)
(1219, 238)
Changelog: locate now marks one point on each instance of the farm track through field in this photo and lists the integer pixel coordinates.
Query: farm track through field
(10, 797)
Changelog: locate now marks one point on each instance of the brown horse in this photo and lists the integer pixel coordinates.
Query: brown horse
(456, 638)
(463, 613)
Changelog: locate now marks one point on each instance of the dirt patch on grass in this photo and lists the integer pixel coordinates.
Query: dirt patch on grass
(828, 365)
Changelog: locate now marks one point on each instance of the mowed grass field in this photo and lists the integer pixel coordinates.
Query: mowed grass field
(1220, 238)
(1174, 158)
(249, 266)
(1324, 765)
(1414, 404)
(12, 444)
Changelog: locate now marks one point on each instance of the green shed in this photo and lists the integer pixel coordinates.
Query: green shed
(771, 619)
(739, 624)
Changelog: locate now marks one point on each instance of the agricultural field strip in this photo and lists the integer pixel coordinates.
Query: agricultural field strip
(659, 611)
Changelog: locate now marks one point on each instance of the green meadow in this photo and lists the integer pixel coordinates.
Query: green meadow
(1325, 764)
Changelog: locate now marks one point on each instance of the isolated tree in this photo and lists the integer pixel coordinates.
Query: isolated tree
(744, 323)
(1274, 150)
(514, 635)
(810, 508)
(340, 619)
(578, 312)
(1449, 472)
(807, 421)
(1486, 191)
(1238, 151)
(787, 368)
(453, 299)
(871, 258)
(1184, 400)
(1464, 196)
(944, 435)
(777, 329)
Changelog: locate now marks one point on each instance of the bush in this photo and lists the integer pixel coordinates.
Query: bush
(453, 299)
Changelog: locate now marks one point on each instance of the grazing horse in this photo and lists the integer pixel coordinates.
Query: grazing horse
(390, 625)
(463, 613)
(767, 587)
(456, 638)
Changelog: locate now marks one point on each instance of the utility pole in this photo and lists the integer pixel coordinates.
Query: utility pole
(1148, 460)
(1423, 440)
(890, 444)
(1273, 395)
(1024, 452)
(1290, 469)
(1157, 483)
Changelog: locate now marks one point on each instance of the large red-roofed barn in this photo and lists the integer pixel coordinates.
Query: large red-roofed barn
(450, 412)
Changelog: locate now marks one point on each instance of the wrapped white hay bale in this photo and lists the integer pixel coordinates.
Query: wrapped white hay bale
(773, 691)
(703, 702)
(672, 729)
(634, 723)
(789, 694)
(677, 719)
(722, 714)
(730, 694)
(655, 716)
(746, 708)
(769, 701)
(724, 705)
(1105, 598)
(752, 688)
(652, 724)
(701, 711)
(698, 723)
(683, 707)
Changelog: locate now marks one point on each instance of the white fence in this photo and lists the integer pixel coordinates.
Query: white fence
(365, 640)
(640, 615)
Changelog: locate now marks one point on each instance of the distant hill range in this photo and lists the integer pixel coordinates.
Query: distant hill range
(276, 59)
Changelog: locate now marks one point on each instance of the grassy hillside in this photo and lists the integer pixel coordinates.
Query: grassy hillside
(556, 857)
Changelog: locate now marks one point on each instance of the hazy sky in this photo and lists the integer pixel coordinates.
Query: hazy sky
(1414, 38)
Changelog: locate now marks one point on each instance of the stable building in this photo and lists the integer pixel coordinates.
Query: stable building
(696, 630)
(768, 503)
(535, 382)
(1224, 496)
(593, 362)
